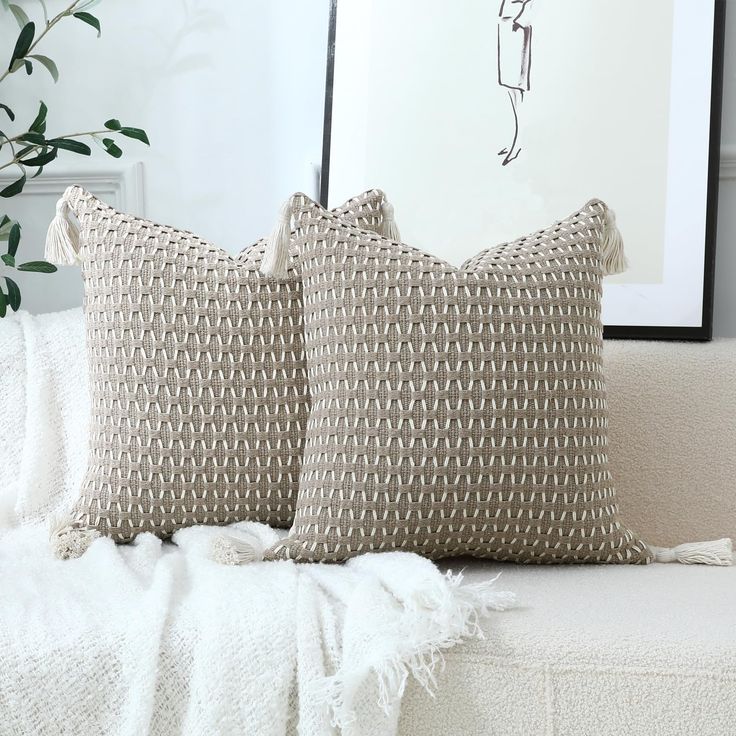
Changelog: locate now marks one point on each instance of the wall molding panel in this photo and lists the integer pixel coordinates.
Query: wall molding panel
(120, 187)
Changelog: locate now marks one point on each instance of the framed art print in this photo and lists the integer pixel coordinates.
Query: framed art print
(485, 120)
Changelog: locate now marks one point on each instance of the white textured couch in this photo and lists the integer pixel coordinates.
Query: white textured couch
(626, 650)
(593, 650)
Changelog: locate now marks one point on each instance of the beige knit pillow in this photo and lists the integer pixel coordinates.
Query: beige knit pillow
(457, 412)
(197, 373)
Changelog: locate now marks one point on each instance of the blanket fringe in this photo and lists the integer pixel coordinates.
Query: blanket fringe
(717, 552)
(438, 619)
(69, 542)
(231, 550)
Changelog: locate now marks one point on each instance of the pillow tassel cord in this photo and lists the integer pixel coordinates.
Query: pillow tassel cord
(68, 542)
(613, 258)
(62, 238)
(717, 552)
(276, 258)
(389, 228)
(231, 550)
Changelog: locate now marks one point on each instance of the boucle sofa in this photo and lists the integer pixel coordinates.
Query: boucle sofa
(625, 650)
(594, 650)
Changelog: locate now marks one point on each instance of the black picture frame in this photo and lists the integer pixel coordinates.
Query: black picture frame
(702, 333)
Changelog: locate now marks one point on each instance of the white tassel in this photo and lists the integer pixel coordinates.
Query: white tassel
(613, 258)
(230, 550)
(62, 238)
(389, 228)
(276, 258)
(67, 542)
(717, 552)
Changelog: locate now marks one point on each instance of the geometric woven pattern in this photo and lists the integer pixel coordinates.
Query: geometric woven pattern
(197, 377)
(456, 412)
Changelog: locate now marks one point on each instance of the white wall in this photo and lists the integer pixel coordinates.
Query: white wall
(231, 94)
(229, 91)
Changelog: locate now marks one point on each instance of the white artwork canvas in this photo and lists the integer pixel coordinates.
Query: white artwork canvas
(485, 120)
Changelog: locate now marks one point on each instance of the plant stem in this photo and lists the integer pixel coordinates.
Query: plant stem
(16, 160)
(49, 26)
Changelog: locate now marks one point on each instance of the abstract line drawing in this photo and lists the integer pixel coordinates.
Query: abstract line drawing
(514, 63)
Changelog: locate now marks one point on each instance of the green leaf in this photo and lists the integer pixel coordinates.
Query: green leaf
(3, 304)
(42, 159)
(112, 148)
(68, 144)
(137, 133)
(90, 20)
(13, 239)
(39, 124)
(13, 294)
(36, 138)
(20, 15)
(9, 112)
(50, 65)
(8, 260)
(15, 188)
(113, 124)
(38, 267)
(23, 44)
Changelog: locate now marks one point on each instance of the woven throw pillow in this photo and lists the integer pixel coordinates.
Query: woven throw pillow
(197, 373)
(457, 412)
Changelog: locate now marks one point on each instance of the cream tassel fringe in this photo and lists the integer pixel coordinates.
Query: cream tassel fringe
(62, 238)
(613, 258)
(389, 228)
(718, 552)
(276, 258)
(230, 550)
(68, 542)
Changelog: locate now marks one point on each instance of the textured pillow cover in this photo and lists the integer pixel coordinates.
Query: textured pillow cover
(197, 373)
(456, 412)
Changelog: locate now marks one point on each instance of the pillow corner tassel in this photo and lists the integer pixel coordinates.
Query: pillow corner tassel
(389, 228)
(716, 552)
(62, 238)
(227, 549)
(276, 257)
(613, 257)
(69, 542)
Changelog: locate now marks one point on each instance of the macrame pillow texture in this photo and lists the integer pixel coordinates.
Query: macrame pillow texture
(197, 373)
(457, 412)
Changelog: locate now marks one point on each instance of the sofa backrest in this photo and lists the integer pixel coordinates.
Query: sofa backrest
(673, 437)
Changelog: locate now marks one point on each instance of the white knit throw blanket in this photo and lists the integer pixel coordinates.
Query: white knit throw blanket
(45, 410)
(156, 638)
